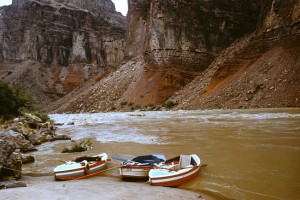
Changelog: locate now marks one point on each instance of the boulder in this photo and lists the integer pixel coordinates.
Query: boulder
(26, 158)
(62, 137)
(12, 184)
(10, 158)
(23, 144)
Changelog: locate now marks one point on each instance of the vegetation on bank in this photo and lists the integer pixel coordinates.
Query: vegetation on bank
(15, 102)
(12, 100)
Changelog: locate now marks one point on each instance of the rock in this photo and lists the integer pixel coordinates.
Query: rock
(176, 33)
(33, 125)
(23, 144)
(27, 158)
(60, 44)
(12, 184)
(37, 139)
(10, 158)
(32, 118)
(62, 137)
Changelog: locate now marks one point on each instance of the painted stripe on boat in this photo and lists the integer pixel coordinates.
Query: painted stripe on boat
(179, 176)
(80, 171)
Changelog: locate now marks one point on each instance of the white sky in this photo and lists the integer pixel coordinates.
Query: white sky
(121, 5)
(5, 2)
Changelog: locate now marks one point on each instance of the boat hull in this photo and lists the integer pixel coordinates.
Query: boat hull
(78, 170)
(176, 171)
(176, 179)
(134, 172)
(140, 166)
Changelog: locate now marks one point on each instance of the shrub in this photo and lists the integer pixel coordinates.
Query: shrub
(151, 107)
(43, 117)
(123, 103)
(12, 100)
(169, 104)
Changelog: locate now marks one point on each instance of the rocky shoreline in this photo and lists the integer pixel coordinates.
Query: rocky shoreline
(17, 139)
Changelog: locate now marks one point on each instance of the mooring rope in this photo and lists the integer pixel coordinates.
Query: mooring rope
(91, 174)
(11, 169)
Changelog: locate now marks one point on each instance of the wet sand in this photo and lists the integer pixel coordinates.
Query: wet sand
(93, 188)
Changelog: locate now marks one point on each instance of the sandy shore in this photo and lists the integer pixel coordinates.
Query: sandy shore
(93, 188)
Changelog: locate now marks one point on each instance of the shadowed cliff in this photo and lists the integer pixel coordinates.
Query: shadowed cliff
(199, 54)
(53, 46)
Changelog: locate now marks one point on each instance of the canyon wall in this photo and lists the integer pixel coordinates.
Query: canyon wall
(61, 32)
(187, 33)
(198, 53)
(261, 69)
(65, 43)
(237, 55)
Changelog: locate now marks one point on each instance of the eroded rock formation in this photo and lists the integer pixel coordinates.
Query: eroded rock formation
(260, 70)
(237, 55)
(20, 137)
(187, 33)
(10, 158)
(59, 45)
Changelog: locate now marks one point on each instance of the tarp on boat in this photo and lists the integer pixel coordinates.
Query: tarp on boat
(151, 159)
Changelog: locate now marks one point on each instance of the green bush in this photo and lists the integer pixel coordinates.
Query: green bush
(43, 117)
(12, 100)
(123, 103)
(169, 104)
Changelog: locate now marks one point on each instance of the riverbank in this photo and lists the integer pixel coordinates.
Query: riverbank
(94, 188)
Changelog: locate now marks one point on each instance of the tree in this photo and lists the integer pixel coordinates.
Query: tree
(12, 99)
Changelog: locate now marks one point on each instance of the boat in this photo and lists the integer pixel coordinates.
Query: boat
(139, 166)
(81, 167)
(176, 171)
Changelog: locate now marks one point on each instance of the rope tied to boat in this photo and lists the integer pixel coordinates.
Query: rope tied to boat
(87, 175)
(11, 169)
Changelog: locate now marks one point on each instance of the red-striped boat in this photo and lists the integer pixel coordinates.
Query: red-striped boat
(139, 166)
(176, 171)
(82, 167)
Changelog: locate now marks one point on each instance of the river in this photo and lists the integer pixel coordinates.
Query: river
(251, 154)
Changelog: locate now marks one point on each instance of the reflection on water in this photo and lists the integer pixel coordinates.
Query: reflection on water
(251, 154)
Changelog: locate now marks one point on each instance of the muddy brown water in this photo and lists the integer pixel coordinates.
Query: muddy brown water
(251, 154)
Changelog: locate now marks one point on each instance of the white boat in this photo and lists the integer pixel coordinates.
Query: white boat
(140, 166)
(81, 167)
(176, 171)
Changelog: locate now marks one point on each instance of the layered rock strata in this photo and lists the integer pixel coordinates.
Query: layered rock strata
(188, 33)
(59, 45)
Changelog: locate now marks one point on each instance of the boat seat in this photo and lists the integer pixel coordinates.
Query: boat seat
(184, 161)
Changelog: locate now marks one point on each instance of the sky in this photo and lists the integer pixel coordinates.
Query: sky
(121, 5)
(7, 2)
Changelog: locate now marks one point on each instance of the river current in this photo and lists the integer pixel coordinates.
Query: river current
(251, 154)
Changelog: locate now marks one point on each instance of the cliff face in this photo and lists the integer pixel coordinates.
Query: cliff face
(201, 54)
(179, 39)
(259, 70)
(187, 33)
(65, 42)
(239, 55)
(55, 33)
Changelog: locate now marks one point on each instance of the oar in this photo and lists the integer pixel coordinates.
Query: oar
(204, 165)
(118, 158)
